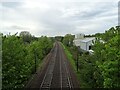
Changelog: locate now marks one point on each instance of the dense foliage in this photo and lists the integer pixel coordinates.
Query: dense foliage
(100, 70)
(19, 58)
(107, 56)
(68, 40)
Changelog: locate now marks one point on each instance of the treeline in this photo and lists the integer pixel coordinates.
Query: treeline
(101, 69)
(20, 56)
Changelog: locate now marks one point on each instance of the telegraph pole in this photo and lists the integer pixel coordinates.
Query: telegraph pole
(35, 58)
(77, 61)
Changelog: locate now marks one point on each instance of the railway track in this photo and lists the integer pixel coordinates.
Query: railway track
(56, 73)
(66, 78)
(46, 83)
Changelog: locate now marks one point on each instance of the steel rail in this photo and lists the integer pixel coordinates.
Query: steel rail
(66, 70)
(60, 71)
(49, 75)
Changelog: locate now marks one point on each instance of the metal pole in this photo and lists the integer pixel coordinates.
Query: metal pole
(77, 57)
(77, 61)
(35, 58)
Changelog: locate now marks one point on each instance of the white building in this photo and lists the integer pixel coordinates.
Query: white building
(79, 36)
(83, 43)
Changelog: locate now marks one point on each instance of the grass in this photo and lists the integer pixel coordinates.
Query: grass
(83, 84)
(70, 57)
(72, 61)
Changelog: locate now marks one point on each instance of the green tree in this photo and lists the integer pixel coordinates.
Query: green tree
(14, 68)
(68, 40)
(19, 59)
(107, 57)
(26, 36)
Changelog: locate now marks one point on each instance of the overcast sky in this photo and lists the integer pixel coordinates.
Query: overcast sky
(57, 17)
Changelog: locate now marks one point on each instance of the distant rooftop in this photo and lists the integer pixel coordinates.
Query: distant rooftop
(86, 39)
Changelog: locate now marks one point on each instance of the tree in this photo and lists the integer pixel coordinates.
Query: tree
(107, 57)
(19, 59)
(26, 36)
(59, 38)
(68, 40)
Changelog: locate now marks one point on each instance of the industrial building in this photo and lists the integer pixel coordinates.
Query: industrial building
(82, 42)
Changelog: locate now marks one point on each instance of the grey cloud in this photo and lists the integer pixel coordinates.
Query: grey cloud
(19, 27)
(16, 27)
(53, 20)
(82, 15)
(11, 4)
(98, 10)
